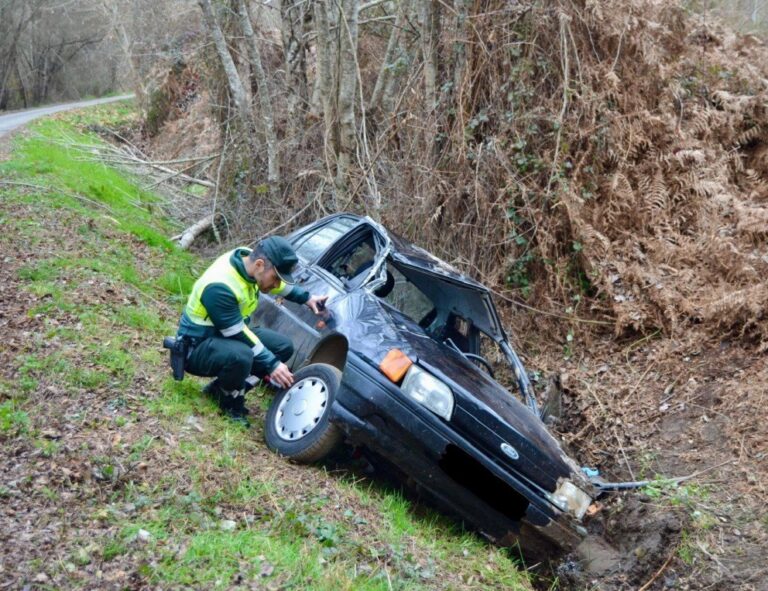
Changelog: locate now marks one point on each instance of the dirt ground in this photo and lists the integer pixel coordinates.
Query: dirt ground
(663, 408)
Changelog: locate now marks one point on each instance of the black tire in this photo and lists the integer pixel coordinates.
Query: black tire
(312, 437)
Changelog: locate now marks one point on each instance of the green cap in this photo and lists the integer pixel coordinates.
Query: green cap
(281, 255)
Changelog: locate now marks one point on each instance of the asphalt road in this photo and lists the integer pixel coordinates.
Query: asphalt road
(11, 121)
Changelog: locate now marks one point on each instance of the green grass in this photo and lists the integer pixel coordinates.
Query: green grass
(115, 360)
(102, 310)
(142, 318)
(13, 420)
(176, 283)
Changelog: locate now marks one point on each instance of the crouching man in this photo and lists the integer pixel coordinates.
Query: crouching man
(216, 319)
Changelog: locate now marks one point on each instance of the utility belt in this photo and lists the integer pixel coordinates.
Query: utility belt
(180, 348)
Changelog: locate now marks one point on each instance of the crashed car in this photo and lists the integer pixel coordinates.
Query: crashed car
(395, 366)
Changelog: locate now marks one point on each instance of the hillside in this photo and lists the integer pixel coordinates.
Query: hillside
(113, 475)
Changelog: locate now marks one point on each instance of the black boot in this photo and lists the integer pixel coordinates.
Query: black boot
(236, 403)
(212, 388)
(231, 402)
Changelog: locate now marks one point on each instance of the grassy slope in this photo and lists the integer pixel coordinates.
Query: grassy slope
(115, 476)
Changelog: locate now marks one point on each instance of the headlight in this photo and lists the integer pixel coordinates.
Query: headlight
(428, 391)
(568, 497)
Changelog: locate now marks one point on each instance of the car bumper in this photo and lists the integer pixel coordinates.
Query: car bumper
(374, 413)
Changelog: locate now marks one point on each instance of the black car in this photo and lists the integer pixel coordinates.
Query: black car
(395, 366)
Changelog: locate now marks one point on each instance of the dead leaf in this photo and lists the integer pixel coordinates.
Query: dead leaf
(266, 570)
(594, 509)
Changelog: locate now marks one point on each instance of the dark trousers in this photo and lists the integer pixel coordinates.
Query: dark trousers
(232, 361)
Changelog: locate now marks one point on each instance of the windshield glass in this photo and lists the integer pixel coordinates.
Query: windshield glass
(444, 306)
(420, 301)
(310, 245)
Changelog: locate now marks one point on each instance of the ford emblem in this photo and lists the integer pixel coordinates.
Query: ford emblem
(510, 451)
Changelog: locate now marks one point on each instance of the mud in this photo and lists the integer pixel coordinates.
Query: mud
(628, 541)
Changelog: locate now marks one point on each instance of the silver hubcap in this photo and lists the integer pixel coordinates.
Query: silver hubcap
(301, 409)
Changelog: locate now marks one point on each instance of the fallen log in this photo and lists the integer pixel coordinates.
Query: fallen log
(187, 237)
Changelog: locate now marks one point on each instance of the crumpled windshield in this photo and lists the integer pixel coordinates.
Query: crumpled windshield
(447, 297)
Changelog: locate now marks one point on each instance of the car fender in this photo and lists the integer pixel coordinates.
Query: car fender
(332, 349)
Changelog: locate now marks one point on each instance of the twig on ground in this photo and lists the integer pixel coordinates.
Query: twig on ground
(613, 428)
(623, 453)
(181, 174)
(713, 558)
(170, 171)
(124, 140)
(642, 377)
(608, 486)
(626, 350)
(553, 314)
(657, 574)
(126, 157)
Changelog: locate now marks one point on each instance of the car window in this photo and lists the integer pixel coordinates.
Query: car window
(355, 260)
(309, 246)
(407, 298)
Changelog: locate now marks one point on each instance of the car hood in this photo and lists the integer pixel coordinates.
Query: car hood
(486, 413)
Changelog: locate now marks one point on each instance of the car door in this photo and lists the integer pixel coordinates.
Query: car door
(344, 267)
(297, 321)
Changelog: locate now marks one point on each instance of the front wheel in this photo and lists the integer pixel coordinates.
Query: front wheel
(297, 424)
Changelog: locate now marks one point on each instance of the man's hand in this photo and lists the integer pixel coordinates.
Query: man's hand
(317, 303)
(282, 376)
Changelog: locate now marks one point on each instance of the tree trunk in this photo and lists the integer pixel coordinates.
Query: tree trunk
(347, 89)
(257, 70)
(325, 76)
(322, 61)
(187, 237)
(111, 9)
(428, 15)
(293, 14)
(236, 88)
(387, 65)
(9, 50)
(22, 87)
(455, 96)
(460, 46)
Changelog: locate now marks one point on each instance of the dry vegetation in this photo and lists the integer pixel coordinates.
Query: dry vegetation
(615, 153)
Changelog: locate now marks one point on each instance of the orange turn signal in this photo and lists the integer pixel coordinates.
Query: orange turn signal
(395, 364)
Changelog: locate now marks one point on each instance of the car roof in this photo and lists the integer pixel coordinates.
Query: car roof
(406, 252)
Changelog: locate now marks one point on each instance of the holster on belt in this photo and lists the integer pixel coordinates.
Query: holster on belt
(179, 347)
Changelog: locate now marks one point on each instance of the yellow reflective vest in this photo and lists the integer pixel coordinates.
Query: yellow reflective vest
(222, 271)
